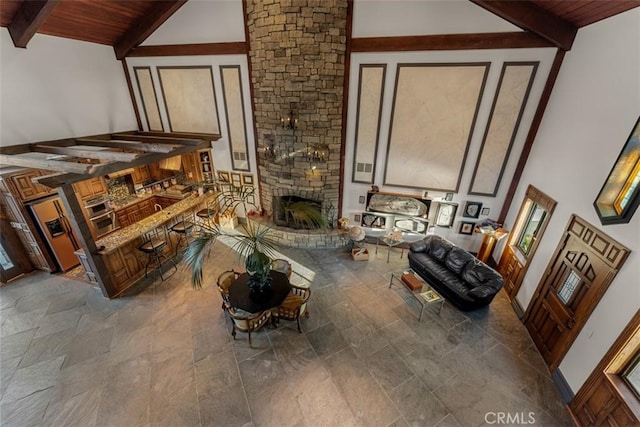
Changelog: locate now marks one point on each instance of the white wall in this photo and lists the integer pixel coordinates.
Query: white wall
(352, 191)
(594, 105)
(378, 18)
(58, 88)
(202, 21)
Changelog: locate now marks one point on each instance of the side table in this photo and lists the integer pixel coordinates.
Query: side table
(391, 243)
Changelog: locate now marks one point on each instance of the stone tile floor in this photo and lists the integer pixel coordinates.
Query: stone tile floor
(163, 355)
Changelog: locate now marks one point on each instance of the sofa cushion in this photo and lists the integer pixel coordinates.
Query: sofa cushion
(418, 246)
(438, 248)
(457, 259)
(482, 292)
(477, 273)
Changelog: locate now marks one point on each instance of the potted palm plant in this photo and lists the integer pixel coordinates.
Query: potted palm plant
(252, 241)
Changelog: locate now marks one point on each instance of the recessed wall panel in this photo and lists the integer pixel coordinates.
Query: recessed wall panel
(236, 126)
(149, 98)
(434, 113)
(508, 105)
(190, 99)
(370, 96)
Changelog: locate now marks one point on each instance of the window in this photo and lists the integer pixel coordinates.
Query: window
(530, 229)
(631, 374)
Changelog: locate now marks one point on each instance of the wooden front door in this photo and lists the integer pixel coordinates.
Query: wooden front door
(582, 268)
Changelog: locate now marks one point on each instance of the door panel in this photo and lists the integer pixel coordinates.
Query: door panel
(582, 268)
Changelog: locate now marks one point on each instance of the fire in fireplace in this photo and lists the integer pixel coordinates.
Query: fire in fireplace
(284, 213)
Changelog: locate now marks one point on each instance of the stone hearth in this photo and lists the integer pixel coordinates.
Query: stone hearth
(292, 238)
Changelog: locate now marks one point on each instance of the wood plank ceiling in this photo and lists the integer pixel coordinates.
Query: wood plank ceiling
(124, 24)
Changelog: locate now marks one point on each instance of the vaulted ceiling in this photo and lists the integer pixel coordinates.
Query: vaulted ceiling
(126, 24)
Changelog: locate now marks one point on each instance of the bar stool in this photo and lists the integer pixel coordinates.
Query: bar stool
(183, 230)
(154, 248)
(207, 215)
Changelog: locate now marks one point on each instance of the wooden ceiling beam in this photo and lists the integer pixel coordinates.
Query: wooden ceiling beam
(107, 168)
(158, 140)
(109, 156)
(124, 145)
(146, 25)
(529, 17)
(513, 40)
(172, 135)
(28, 20)
(27, 161)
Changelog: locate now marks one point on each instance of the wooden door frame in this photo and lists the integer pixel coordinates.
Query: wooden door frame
(597, 244)
(609, 369)
(548, 204)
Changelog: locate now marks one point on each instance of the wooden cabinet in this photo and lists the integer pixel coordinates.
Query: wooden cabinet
(141, 174)
(205, 161)
(140, 210)
(27, 189)
(191, 167)
(198, 166)
(90, 188)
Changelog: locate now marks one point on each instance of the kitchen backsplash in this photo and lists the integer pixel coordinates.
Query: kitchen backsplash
(118, 188)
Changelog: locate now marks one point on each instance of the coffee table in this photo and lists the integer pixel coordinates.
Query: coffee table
(391, 243)
(425, 295)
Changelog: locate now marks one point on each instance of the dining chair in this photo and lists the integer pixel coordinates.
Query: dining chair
(224, 282)
(244, 321)
(283, 266)
(294, 305)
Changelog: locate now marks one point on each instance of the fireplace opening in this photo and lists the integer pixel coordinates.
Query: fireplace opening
(284, 213)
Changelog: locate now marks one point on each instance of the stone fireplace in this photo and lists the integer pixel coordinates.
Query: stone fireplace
(283, 217)
(297, 54)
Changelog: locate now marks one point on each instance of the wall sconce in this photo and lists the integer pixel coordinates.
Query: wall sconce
(270, 151)
(289, 122)
(317, 153)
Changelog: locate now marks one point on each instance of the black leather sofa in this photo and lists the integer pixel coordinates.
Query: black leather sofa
(457, 275)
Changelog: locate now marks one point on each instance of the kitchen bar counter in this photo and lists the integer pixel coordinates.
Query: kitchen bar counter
(132, 200)
(124, 262)
(121, 237)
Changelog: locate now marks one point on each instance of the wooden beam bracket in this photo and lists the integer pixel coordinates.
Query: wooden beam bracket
(28, 20)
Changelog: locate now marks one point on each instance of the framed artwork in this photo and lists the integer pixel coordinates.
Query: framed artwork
(472, 209)
(356, 217)
(373, 220)
(361, 199)
(247, 179)
(224, 176)
(448, 197)
(619, 197)
(466, 227)
(485, 211)
(236, 179)
(445, 214)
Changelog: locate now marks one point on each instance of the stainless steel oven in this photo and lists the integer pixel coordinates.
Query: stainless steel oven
(104, 223)
(101, 215)
(97, 206)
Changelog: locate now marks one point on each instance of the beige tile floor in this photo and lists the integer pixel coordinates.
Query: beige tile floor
(163, 355)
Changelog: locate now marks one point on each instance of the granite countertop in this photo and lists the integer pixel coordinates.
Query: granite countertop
(133, 199)
(118, 238)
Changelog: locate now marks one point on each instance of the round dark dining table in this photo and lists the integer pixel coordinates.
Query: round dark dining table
(241, 297)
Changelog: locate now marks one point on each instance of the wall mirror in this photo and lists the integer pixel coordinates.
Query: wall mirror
(620, 195)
